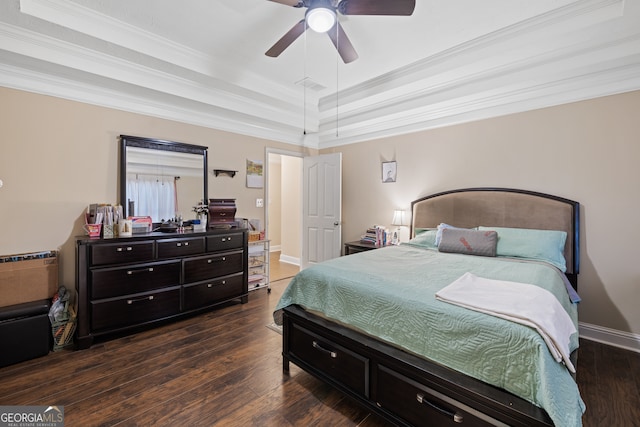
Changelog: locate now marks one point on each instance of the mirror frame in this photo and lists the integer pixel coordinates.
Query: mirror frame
(157, 144)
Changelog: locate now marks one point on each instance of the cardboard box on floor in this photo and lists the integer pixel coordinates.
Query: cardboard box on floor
(28, 280)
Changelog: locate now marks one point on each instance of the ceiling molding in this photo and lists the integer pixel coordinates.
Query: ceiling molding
(584, 49)
(87, 21)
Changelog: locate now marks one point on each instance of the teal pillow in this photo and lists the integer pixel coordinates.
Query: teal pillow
(542, 245)
(426, 238)
(418, 230)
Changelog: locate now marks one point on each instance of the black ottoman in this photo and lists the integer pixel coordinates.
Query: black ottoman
(25, 332)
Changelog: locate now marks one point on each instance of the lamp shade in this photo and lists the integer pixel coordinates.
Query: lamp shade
(399, 218)
(320, 16)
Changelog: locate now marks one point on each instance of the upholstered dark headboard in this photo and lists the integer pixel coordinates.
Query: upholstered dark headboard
(503, 207)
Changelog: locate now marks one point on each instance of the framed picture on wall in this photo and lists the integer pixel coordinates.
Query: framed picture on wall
(255, 178)
(389, 171)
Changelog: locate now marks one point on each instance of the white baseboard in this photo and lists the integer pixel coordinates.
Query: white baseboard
(626, 340)
(274, 248)
(290, 260)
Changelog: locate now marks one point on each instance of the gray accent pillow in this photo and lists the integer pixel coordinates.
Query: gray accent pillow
(470, 242)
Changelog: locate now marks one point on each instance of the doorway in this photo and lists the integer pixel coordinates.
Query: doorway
(283, 211)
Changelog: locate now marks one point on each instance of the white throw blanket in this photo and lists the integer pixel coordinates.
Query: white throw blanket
(518, 302)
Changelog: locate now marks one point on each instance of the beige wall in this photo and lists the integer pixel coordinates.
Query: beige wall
(291, 208)
(586, 151)
(274, 228)
(58, 156)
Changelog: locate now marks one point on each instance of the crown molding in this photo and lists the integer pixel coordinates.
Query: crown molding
(46, 84)
(521, 67)
(87, 21)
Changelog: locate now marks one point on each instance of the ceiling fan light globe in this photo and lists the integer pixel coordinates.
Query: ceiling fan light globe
(321, 19)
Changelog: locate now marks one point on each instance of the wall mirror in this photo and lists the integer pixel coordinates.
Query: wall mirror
(161, 179)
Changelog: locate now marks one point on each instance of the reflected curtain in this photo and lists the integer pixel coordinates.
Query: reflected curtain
(153, 196)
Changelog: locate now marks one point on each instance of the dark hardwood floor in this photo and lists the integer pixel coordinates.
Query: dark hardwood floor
(224, 368)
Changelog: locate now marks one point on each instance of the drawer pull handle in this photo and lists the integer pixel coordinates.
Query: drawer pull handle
(457, 418)
(209, 285)
(142, 270)
(209, 261)
(128, 248)
(333, 354)
(180, 244)
(131, 301)
(224, 282)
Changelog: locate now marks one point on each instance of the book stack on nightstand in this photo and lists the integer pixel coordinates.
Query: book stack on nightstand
(375, 235)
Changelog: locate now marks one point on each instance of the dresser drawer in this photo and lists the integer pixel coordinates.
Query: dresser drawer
(120, 253)
(205, 293)
(420, 405)
(211, 266)
(114, 281)
(135, 309)
(342, 365)
(222, 242)
(169, 248)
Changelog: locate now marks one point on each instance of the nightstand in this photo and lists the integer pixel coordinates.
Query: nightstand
(358, 246)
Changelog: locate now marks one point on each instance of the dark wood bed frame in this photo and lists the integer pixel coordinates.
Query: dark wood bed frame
(404, 388)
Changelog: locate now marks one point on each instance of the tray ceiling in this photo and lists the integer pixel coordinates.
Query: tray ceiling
(202, 62)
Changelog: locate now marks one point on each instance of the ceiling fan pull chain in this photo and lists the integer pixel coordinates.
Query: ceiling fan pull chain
(337, 79)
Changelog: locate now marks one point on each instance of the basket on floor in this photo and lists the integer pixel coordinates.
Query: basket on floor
(63, 331)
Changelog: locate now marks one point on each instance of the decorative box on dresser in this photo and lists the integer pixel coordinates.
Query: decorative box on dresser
(123, 284)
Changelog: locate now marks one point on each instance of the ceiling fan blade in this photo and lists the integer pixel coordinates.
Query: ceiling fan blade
(294, 3)
(342, 43)
(377, 7)
(287, 39)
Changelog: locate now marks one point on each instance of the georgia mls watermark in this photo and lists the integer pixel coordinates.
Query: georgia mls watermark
(31, 416)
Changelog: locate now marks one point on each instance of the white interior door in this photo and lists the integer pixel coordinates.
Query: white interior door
(322, 208)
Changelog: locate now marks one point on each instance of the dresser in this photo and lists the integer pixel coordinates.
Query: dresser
(125, 284)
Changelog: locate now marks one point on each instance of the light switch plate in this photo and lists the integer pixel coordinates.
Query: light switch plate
(259, 203)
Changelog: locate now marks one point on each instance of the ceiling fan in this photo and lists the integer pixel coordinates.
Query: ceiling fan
(321, 16)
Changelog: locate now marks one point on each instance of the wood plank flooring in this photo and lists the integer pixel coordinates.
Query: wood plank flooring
(224, 368)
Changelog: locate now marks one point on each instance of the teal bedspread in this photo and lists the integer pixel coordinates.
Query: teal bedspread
(389, 293)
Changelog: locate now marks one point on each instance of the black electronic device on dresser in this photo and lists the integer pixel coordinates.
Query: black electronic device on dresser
(124, 284)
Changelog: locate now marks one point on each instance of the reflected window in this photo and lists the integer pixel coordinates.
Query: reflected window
(154, 195)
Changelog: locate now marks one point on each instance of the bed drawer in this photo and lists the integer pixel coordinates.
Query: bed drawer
(135, 309)
(420, 405)
(205, 293)
(330, 359)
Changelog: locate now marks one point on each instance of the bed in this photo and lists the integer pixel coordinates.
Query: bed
(408, 330)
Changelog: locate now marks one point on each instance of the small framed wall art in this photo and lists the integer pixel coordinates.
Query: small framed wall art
(389, 171)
